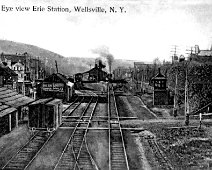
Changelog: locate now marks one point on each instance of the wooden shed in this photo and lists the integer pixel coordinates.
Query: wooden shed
(8, 118)
(45, 114)
(57, 86)
(15, 100)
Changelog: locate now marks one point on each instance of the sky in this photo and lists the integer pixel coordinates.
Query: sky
(149, 29)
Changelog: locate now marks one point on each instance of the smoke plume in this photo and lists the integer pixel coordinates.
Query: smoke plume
(103, 51)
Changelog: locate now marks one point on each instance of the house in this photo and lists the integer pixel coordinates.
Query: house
(202, 56)
(8, 78)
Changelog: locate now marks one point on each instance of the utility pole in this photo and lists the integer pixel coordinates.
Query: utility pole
(190, 51)
(175, 95)
(186, 99)
(174, 53)
(186, 91)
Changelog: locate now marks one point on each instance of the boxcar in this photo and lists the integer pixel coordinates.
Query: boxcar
(53, 113)
(36, 113)
(45, 114)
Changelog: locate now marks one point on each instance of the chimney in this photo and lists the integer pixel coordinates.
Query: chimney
(159, 71)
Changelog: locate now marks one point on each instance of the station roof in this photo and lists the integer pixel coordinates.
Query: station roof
(12, 98)
(95, 70)
(5, 109)
(56, 77)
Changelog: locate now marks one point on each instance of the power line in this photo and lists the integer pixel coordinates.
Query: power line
(174, 51)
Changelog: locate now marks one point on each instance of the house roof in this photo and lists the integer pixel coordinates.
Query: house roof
(6, 71)
(5, 109)
(58, 75)
(159, 76)
(205, 53)
(13, 99)
(94, 70)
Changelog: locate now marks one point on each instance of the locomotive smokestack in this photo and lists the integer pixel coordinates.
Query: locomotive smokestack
(104, 52)
(110, 61)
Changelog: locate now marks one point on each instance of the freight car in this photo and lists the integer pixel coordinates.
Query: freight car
(45, 114)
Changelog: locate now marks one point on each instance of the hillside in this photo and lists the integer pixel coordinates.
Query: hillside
(70, 65)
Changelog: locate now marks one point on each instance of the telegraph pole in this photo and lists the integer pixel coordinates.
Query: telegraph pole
(186, 100)
(175, 95)
(174, 52)
(186, 91)
(190, 51)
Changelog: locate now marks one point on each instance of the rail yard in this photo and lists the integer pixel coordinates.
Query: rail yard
(79, 118)
(106, 130)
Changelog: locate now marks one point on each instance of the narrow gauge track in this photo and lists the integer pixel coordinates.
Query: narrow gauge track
(76, 154)
(25, 155)
(117, 152)
(163, 161)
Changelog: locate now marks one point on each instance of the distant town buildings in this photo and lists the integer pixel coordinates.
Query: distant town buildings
(28, 69)
(201, 55)
(123, 73)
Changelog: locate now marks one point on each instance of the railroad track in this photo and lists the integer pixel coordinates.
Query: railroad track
(163, 161)
(23, 158)
(73, 106)
(76, 154)
(117, 152)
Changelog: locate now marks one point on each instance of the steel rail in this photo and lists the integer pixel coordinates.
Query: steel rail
(120, 129)
(85, 136)
(160, 156)
(40, 149)
(20, 150)
(70, 139)
(31, 160)
(70, 105)
(109, 128)
(72, 145)
(73, 108)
